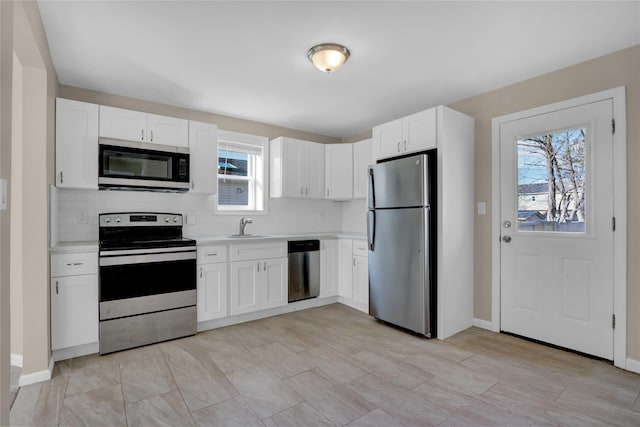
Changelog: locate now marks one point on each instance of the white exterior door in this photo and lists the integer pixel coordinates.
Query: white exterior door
(557, 238)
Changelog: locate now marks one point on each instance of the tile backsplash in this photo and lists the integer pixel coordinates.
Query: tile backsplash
(74, 213)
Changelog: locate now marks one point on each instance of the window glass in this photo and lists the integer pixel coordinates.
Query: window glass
(552, 177)
(241, 172)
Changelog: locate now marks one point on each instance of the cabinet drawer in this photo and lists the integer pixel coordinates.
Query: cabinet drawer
(258, 251)
(211, 254)
(360, 248)
(74, 264)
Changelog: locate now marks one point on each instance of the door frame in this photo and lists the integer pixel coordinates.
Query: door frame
(617, 95)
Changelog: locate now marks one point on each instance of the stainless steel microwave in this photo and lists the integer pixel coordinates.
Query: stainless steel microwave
(129, 165)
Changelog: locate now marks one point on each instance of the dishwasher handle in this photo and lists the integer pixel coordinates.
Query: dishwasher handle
(295, 246)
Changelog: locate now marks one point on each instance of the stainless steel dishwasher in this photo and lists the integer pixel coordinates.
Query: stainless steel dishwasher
(304, 269)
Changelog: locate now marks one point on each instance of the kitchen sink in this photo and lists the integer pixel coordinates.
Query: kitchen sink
(247, 236)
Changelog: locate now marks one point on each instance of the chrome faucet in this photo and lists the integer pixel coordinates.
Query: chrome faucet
(243, 223)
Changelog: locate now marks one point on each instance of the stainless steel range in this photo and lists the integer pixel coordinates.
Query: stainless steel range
(147, 280)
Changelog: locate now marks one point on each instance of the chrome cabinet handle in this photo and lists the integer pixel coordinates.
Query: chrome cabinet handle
(398, 146)
(201, 272)
(192, 185)
(301, 191)
(306, 191)
(61, 177)
(142, 137)
(151, 136)
(212, 254)
(405, 145)
(354, 261)
(74, 264)
(264, 267)
(258, 266)
(57, 288)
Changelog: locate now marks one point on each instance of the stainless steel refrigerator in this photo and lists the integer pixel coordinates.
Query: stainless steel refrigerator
(400, 217)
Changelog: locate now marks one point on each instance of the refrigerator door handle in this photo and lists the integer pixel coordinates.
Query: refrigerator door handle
(371, 229)
(372, 190)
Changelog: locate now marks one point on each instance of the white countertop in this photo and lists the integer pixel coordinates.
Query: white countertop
(66, 247)
(92, 246)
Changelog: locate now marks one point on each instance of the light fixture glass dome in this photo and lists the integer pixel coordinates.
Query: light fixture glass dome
(328, 57)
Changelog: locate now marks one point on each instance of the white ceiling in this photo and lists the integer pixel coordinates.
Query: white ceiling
(248, 59)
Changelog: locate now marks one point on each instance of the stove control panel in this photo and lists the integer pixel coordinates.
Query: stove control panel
(139, 219)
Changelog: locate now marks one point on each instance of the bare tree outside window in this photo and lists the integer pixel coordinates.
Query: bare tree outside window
(551, 182)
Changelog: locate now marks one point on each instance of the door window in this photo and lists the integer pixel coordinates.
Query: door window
(552, 175)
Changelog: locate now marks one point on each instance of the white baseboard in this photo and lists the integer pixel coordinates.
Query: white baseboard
(71, 352)
(37, 377)
(16, 360)
(484, 324)
(247, 317)
(633, 365)
(353, 304)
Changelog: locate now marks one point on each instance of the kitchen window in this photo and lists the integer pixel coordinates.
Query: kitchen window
(241, 172)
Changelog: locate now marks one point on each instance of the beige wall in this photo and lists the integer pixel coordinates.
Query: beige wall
(223, 122)
(36, 86)
(617, 69)
(6, 69)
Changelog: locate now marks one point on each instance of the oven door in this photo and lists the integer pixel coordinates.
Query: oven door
(124, 164)
(144, 283)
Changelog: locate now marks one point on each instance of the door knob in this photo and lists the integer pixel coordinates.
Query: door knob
(506, 239)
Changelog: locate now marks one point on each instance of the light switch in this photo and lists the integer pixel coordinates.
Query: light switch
(3, 196)
(482, 208)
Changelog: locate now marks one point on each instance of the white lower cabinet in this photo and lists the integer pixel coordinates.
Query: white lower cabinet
(259, 277)
(212, 282)
(74, 300)
(353, 275)
(328, 268)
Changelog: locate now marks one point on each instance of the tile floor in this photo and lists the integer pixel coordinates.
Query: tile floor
(333, 366)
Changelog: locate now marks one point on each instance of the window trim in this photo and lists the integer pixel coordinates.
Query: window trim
(230, 138)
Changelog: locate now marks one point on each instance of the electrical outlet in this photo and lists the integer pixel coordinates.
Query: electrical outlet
(482, 208)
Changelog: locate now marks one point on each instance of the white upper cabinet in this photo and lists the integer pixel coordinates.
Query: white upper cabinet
(76, 144)
(362, 158)
(296, 168)
(410, 134)
(168, 130)
(118, 123)
(338, 171)
(203, 150)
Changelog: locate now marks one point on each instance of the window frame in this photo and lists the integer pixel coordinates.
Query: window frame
(235, 141)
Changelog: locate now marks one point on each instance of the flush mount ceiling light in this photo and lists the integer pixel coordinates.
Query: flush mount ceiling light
(328, 57)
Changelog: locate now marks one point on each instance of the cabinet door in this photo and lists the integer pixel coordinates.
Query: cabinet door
(292, 168)
(328, 268)
(76, 144)
(387, 140)
(212, 291)
(118, 123)
(244, 289)
(313, 172)
(419, 131)
(274, 282)
(338, 171)
(203, 149)
(74, 311)
(362, 158)
(345, 272)
(168, 130)
(361, 281)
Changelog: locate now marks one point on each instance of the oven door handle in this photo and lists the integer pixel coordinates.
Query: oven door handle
(145, 259)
